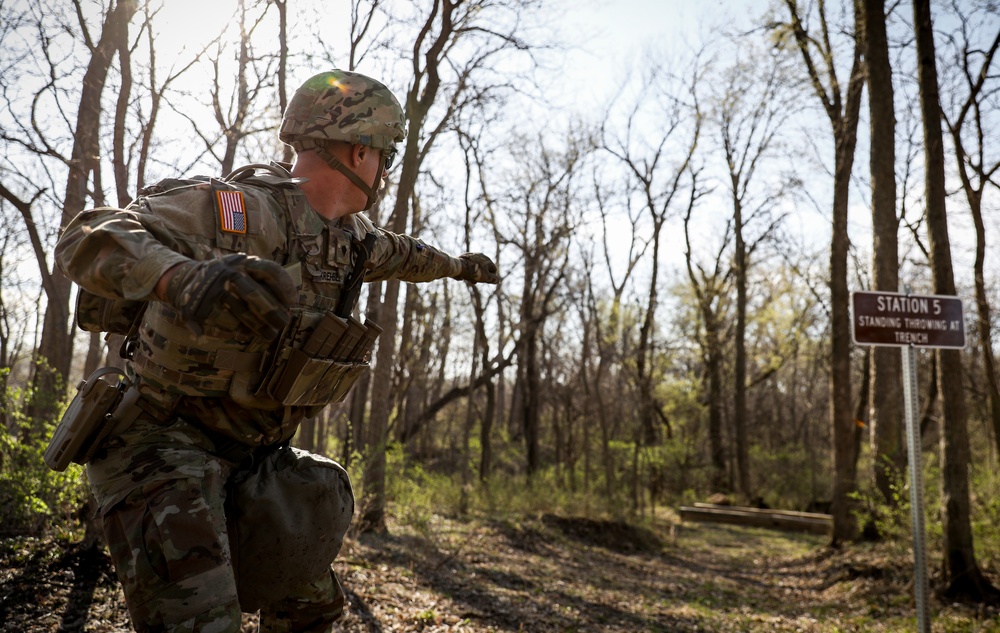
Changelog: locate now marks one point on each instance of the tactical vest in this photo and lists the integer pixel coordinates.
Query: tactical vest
(319, 355)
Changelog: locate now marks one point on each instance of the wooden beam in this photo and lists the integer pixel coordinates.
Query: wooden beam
(777, 519)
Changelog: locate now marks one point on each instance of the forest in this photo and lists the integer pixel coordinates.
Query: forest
(678, 231)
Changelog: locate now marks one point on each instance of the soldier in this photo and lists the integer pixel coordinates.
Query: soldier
(220, 284)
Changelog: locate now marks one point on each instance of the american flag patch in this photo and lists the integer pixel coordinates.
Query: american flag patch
(232, 211)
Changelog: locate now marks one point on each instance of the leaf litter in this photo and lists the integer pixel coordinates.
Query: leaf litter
(541, 574)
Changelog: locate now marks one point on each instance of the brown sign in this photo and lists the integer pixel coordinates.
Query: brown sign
(891, 318)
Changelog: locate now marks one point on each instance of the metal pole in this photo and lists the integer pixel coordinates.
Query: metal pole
(916, 486)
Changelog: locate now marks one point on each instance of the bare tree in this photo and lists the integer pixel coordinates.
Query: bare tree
(660, 177)
(282, 7)
(82, 165)
(962, 574)
(363, 13)
(423, 403)
(885, 387)
(750, 109)
(480, 208)
(13, 317)
(541, 204)
(455, 44)
(711, 290)
(156, 93)
(969, 126)
(842, 104)
(604, 324)
(233, 108)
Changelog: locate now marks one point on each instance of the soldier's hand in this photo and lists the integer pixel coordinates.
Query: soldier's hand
(478, 268)
(232, 292)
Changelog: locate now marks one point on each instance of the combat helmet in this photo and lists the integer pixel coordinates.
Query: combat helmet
(340, 105)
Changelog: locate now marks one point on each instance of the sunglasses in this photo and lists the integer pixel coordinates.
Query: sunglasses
(390, 158)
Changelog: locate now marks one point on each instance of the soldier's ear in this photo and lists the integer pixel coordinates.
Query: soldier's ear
(358, 154)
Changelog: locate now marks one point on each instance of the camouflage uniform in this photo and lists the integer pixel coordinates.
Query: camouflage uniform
(161, 484)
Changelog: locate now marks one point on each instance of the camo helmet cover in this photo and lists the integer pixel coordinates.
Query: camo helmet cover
(340, 105)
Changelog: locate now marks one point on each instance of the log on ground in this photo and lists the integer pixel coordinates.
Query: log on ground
(777, 519)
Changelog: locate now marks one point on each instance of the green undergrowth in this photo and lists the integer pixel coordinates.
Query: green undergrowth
(416, 493)
(33, 498)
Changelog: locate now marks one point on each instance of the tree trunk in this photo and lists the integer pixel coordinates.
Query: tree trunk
(984, 320)
(420, 96)
(282, 5)
(929, 429)
(740, 370)
(417, 353)
(95, 353)
(864, 394)
(530, 402)
(967, 167)
(644, 353)
(55, 350)
(843, 112)
(961, 571)
(841, 413)
(119, 163)
(465, 468)
(234, 132)
(719, 480)
(888, 454)
(486, 434)
(355, 437)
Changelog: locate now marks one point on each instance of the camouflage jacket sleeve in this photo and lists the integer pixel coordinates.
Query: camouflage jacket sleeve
(402, 257)
(122, 253)
(408, 259)
(118, 253)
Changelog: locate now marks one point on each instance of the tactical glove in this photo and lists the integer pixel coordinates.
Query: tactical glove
(477, 268)
(232, 292)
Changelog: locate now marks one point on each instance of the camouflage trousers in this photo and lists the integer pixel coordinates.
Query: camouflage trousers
(161, 495)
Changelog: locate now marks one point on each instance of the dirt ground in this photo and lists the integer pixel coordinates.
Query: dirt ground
(543, 574)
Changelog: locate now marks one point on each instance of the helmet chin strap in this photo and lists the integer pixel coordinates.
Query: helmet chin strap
(371, 191)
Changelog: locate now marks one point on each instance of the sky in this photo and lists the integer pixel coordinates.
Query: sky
(607, 34)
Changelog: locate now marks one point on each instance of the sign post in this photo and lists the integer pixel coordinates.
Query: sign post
(910, 321)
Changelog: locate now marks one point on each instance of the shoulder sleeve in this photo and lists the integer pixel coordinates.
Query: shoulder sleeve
(122, 253)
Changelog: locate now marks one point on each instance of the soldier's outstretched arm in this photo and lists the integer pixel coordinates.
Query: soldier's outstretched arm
(407, 258)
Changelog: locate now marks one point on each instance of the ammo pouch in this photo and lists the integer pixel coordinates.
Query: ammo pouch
(101, 408)
(286, 517)
(319, 359)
